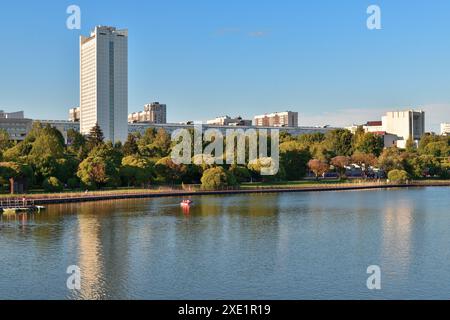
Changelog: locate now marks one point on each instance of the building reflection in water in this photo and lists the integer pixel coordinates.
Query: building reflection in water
(398, 223)
(90, 251)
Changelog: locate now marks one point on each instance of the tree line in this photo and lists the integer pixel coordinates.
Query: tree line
(45, 161)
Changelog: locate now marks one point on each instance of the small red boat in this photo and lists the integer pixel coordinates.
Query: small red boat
(186, 203)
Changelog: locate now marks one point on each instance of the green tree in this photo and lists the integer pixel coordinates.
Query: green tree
(392, 158)
(169, 172)
(52, 184)
(425, 165)
(76, 144)
(294, 159)
(241, 173)
(368, 143)
(5, 142)
(95, 137)
(398, 176)
(217, 178)
(136, 170)
(99, 169)
(339, 142)
(130, 146)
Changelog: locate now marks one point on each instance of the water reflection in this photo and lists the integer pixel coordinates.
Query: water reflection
(272, 246)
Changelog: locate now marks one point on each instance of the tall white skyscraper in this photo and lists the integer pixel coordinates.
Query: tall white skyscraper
(104, 82)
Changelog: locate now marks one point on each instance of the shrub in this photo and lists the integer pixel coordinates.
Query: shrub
(398, 176)
(52, 184)
(217, 178)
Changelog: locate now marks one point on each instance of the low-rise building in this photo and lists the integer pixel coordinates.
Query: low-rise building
(17, 128)
(228, 121)
(11, 115)
(277, 119)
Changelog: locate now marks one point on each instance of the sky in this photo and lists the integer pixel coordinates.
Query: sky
(207, 58)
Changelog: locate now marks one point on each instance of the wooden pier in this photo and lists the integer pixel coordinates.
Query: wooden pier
(18, 205)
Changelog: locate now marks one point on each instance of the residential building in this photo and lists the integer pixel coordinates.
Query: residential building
(104, 82)
(228, 121)
(445, 129)
(74, 114)
(277, 119)
(153, 113)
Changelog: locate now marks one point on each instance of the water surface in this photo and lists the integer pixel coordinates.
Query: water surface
(271, 246)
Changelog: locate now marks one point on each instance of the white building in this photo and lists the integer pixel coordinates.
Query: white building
(104, 82)
(445, 129)
(277, 119)
(154, 112)
(74, 114)
(405, 125)
(228, 121)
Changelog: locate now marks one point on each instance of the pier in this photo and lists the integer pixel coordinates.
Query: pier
(18, 205)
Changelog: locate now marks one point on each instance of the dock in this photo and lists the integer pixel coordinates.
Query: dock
(18, 205)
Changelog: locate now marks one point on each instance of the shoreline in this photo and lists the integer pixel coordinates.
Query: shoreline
(144, 195)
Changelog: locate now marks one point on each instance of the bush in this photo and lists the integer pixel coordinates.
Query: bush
(217, 178)
(398, 176)
(52, 184)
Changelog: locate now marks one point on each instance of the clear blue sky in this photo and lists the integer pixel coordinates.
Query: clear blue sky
(206, 58)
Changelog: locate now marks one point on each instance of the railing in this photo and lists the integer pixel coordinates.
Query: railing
(16, 203)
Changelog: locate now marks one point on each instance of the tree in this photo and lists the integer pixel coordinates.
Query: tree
(95, 137)
(155, 143)
(294, 158)
(241, 173)
(130, 146)
(425, 165)
(368, 143)
(217, 178)
(339, 142)
(169, 172)
(76, 144)
(437, 149)
(12, 171)
(267, 164)
(398, 176)
(136, 170)
(99, 168)
(5, 142)
(52, 184)
(392, 158)
(319, 168)
(340, 163)
(364, 160)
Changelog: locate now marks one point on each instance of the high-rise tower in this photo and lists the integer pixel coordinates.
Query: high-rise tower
(104, 82)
